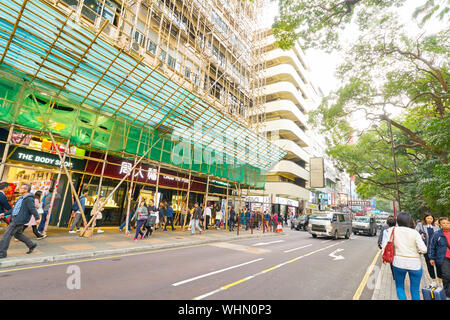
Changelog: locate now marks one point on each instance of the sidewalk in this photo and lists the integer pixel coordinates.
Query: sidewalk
(385, 284)
(60, 245)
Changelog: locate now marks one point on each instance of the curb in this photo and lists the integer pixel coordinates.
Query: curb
(103, 253)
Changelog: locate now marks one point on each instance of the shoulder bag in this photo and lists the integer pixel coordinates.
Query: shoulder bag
(389, 249)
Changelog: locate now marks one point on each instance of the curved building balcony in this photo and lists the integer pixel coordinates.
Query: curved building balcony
(285, 109)
(284, 90)
(292, 148)
(287, 129)
(287, 190)
(284, 72)
(278, 56)
(290, 168)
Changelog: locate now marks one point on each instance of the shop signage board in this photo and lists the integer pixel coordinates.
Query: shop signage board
(359, 203)
(44, 158)
(275, 200)
(119, 168)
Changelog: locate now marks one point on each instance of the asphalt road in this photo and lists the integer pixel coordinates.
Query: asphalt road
(289, 267)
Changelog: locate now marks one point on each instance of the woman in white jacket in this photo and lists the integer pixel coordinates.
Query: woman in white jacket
(408, 246)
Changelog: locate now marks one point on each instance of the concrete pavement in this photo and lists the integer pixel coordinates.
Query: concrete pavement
(61, 245)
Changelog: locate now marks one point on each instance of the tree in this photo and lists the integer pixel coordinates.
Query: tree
(320, 24)
(386, 70)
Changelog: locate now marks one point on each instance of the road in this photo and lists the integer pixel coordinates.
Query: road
(288, 267)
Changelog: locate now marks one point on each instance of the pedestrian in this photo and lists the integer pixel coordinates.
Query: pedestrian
(427, 229)
(219, 215)
(46, 206)
(32, 222)
(20, 214)
(76, 211)
(266, 220)
(4, 204)
(152, 211)
(169, 215)
(247, 219)
(130, 217)
(383, 237)
(440, 254)
(213, 214)
(208, 216)
(274, 222)
(162, 215)
(408, 245)
(196, 218)
(141, 216)
(232, 219)
(98, 218)
(184, 213)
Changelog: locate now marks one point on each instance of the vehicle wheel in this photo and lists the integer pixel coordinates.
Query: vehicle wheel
(314, 235)
(347, 235)
(336, 236)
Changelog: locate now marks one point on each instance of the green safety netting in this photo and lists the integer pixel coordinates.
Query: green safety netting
(106, 99)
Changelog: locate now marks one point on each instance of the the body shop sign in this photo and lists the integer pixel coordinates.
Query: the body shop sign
(43, 158)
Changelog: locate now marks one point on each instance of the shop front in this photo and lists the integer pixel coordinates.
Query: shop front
(35, 163)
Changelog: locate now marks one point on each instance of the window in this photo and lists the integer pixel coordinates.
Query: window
(139, 37)
(187, 72)
(215, 52)
(222, 60)
(163, 55)
(171, 62)
(341, 218)
(151, 46)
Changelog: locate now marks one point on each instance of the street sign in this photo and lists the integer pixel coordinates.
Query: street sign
(359, 203)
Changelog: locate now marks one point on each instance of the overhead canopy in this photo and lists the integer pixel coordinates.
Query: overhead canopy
(118, 92)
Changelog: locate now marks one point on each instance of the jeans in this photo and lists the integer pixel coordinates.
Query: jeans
(13, 230)
(76, 221)
(125, 223)
(218, 223)
(195, 224)
(414, 278)
(169, 221)
(446, 276)
(139, 225)
(42, 223)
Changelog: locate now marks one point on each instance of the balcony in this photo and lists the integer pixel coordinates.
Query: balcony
(293, 148)
(288, 190)
(284, 90)
(291, 168)
(286, 109)
(287, 129)
(283, 72)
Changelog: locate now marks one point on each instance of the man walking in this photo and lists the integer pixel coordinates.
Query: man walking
(232, 218)
(196, 218)
(208, 216)
(4, 204)
(21, 214)
(47, 200)
(75, 208)
(169, 215)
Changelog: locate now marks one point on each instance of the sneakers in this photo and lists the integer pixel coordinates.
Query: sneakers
(142, 237)
(134, 239)
(30, 250)
(72, 231)
(78, 230)
(100, 231)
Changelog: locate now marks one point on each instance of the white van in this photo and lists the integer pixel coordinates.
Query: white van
(330, 224)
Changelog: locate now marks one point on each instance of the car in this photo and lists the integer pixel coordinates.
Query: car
(330, 224)
(300, 222)
(364, 225)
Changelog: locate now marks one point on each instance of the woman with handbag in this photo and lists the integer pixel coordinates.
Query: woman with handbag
(141, 216)
(403, 249)
(427, 229)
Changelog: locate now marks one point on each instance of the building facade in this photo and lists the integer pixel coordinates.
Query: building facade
(159, 94)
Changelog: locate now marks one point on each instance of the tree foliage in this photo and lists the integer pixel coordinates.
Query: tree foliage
(320, 23)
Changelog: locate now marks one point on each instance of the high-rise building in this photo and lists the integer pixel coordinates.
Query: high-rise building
(171, 84)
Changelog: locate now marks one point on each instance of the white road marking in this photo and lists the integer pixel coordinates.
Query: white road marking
(290, 250)
(336, 257)
(262, 272)
(266, 243)
(215, 272)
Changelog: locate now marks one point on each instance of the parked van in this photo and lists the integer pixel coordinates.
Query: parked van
(330, 224)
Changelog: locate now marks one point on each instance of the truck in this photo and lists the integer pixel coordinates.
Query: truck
(364, 225)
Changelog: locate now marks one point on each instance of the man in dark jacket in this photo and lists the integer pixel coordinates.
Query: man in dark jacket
(440, 254)
(21, 214)
(4, 204)
(169, 215)
(232, 219)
